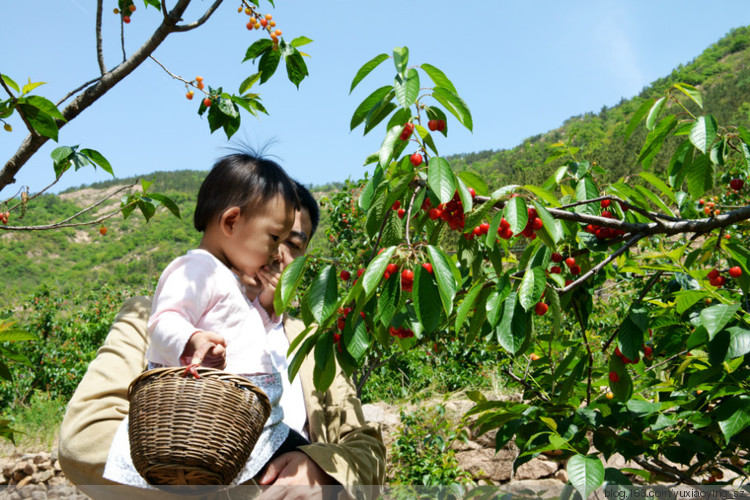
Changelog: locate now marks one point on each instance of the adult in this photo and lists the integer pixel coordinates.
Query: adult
(344, 448)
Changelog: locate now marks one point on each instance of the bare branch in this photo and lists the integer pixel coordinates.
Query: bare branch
(75, 91)
(176, 77)
(99, 49)
(203, 18)
(66, 222)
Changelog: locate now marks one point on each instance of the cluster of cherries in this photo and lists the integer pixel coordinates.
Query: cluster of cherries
(4, 217)
(401, 332)
(261, 22)
(604, 233)
(648, 351)
(570, 262)
(125, 15)
(451, 212)
(716, 279)
(200, 86)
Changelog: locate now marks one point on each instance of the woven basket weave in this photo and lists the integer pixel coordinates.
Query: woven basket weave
(193, 431)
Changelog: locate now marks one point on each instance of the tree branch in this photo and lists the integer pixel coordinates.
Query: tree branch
(203, 18)
(75, 91)
(99, 49)
(13, 98)
(34, 142)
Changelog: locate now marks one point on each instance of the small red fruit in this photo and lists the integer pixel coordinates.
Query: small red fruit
(484, 228)
(102, 230)
(401, 213)
(605, 203)
(432, 125)
(391, 268)
(607, 214)
(441, 125)
(555, 270)
(407, 280)
(648, 351)
(345, 275)
(537, 224)
(207, 102)
(735, 272)
(396, 205)
(277, 32)
(264, 22)
(360, 271)
(614, 377)
(534, 356)
(131, 8)
(341, 323)
(557, 257)
(434, 213)
(126, 19)
(189, 95)
(472, 192)
(575, 269)
(713, 274)
(200, 85)
(416, 159)
(570, 262)
(506, 233)
(541, 308)
(737, 184)
(428, 267)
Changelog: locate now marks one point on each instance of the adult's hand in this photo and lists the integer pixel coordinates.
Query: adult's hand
(296, 475)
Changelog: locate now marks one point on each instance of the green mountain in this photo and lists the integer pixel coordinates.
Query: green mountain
(132, 253)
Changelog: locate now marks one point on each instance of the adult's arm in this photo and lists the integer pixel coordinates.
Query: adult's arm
(344, 444)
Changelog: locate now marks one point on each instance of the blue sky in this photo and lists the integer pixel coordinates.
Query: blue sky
(522, 67)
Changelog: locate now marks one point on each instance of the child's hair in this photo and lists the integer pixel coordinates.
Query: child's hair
(241, 180)
(307, 201)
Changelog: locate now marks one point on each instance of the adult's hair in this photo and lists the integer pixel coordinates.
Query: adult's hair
(241, 180)
(307, 202)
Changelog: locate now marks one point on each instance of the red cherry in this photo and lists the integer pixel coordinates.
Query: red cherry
(504, 223)
(441, 125)
(737, 184)
(484, 228)
(575, 270)
(712, 274)
(341, 322)
(472, 192)
(345, 275)
(605, 203)
(401, 212)
(407, 280)
(428, 267)
(614, 377)
(416, 159)
(391, 268)
(396, 205)
(555, 270)
(735, 272)
(434, 213)
(537, 224)
(648, 351)
(532, 213)
(126, 19)
(432, 125)
(607, 214)
(360, 271)
(207, 102)
(506, 233)
(541, 308)
(557, 257)
(570, 262)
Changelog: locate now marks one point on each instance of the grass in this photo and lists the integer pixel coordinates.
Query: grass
(36, 424)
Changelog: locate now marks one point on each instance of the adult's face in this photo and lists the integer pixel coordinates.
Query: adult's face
(296, 243)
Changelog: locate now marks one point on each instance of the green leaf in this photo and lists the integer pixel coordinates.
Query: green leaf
(401, 58)
(464, 195)
(733, 416)
(257, 48)
(637, 117)
(40, 121)
(630, 338)
(551, 226)
(623, 388)
(389, 143)
(715, 318)
(516, 214)
(532, 287)
(375, 270)
(691, 92)
(438, 77)
(441, 180)
(586, 190)
(654, 112)
(658, 184)
(98, 159)
(543, 194)
(407, 89)
(426, 299)
(739, 342)
(31, 86)
(703, 132)
(655, 140)
(642, 408)
(455, 105)
(700, 176)
(269, 61)
(679, 164)
(512, 330)
(366, 69)
(388, 300)
(586, 474)
(446, 275)
(368, 104)
(296, 69)
(9, 81)
(168, 203)
(302, 352)
(45, 105)
(147, 209)
(467, 305)
(474, 180)
(323, 295)
(379, 112)
(300, 41)
(325, 364)
(289, 281)
(13, 334)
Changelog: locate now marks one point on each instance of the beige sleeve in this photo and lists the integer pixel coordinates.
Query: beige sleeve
(100, 402)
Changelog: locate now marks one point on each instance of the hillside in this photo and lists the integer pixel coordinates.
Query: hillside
(132, 253)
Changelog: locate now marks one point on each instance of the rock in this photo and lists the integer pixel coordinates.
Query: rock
(543, 488)
(486, 464)
(38, 495)
(41, 457)
(43, 476)
(56, 466)
(536, 469)
(23, 482)
(561, 475)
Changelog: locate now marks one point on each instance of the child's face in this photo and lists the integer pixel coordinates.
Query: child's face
(257, 235)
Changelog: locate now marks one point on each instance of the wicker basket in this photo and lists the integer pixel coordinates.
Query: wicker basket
(193, 431)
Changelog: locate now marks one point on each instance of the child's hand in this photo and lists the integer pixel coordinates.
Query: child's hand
(269, 278)
(206, 349)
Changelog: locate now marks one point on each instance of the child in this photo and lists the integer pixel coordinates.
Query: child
(201, 313)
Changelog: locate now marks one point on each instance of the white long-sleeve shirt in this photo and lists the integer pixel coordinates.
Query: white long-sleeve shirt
(198, 292)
